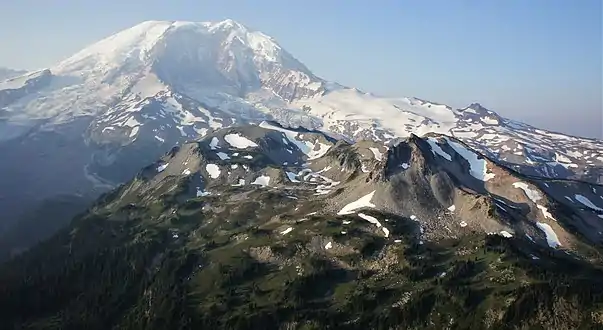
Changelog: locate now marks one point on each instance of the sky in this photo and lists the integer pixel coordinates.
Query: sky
(539, 61)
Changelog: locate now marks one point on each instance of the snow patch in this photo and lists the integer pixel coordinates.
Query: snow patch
(489, 120)
(585, 201)
(213, 144)
(134, 131)
(545, 212)
(306, 147)
(223, 156)
(506, 234)
(533, 195)
(292, 177)
(436, 149)
(378, 155)
(263, 180)
(236, 140)
(162, 167)
(213, 170)
(364, 201)
(551, 237)
(374, 220)
(287, 231)
(240, 183)
(478, 167)
(202, 193)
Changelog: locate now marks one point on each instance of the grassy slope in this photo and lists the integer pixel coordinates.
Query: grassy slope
(122, 266)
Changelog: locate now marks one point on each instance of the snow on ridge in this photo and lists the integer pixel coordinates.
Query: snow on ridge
(213, 144)
(202, 193)
(222, 155)
(585, 201)
(364, 201)
(292, 177)
(162, 167)
(307, 147)
(262, 180)
(236, 140)
(240, 183)
(533, 195)
(551, 236)
(374, 220)
(134, 131)
(377, 153)
(436, 149)
(506, 234)
(545, 212)
(489, 120)
(478, 167)
(139, 39)
(393, 114)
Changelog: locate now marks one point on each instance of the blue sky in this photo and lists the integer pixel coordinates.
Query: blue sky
(534, 60)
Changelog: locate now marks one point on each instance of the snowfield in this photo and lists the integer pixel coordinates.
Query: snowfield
(551, 236)
(262, 180)
(364, 201)
(238, 141)
(213, 170)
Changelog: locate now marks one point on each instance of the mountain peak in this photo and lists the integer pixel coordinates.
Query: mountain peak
(236, 47)
(228, 24)
(477, 107)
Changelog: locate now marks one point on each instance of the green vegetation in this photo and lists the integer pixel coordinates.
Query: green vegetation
(220, 263)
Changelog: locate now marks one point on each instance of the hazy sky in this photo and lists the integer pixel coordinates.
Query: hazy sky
(534, 60)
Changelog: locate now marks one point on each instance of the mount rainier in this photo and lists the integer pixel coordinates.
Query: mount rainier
(90, 122)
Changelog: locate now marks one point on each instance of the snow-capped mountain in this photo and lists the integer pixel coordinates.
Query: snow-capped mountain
(91, 121)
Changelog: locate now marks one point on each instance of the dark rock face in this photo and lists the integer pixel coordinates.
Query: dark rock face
(443, 188)
(279, 81)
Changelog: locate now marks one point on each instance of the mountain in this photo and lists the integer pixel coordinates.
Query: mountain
(263, 227)
(90, 122)
(6, 73)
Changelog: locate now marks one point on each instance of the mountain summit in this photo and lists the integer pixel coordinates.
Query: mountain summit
(188, 56)
(100, 115)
